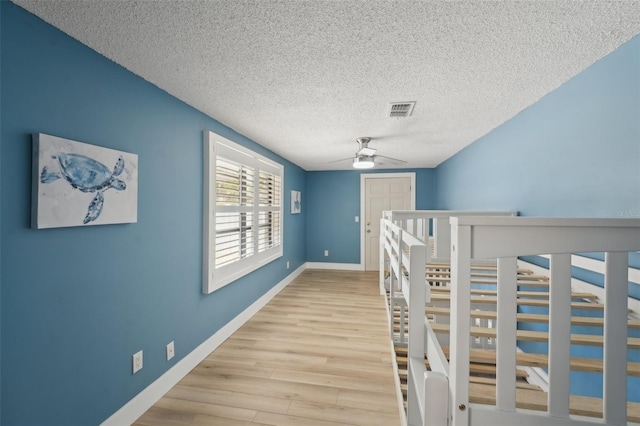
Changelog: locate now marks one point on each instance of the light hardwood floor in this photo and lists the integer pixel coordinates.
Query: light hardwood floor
(318, 354)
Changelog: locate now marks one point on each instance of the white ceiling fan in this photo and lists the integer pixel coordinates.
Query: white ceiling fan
(366, 157)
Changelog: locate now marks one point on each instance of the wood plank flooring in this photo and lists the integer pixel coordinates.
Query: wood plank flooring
(318, 354)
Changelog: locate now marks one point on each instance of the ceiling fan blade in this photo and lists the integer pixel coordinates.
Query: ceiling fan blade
(337, 161)
(392, 160)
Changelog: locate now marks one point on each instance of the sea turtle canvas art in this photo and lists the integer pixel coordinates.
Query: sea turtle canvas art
(87, 175)
(73, 184)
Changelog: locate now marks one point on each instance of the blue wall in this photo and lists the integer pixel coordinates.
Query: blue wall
(332, 202)
(0, 214)
(78, 302)
(75, 303)
(576, 152)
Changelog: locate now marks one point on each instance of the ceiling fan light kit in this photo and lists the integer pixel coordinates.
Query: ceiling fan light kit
(366, 157)
(363, 162)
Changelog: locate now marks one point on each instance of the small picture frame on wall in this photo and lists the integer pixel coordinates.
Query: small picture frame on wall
(296, 202)
(78, 184)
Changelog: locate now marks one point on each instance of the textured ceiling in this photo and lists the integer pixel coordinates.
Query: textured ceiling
(306, 78)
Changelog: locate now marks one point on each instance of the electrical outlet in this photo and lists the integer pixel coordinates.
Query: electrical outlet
(326, 252)
(137, 362)
(357, 218)
(287, 264)
(170, 350)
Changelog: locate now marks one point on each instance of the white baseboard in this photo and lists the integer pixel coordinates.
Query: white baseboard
(337, 266)
(137, 406)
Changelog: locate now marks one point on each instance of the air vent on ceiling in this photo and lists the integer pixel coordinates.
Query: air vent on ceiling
(401, 109)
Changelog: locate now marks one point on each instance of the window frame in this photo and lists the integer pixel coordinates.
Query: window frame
(217, 146)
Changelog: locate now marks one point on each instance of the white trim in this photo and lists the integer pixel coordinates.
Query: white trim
(139, 404)
(363, 178)
(215, 147)
(336, 266)
(585, 287)
(596, 265)
(536, 375)
(488, 415)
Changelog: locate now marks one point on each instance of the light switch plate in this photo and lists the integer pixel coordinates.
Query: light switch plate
(170, 350)
(137, 362)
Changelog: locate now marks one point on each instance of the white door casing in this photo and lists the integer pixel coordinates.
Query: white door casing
(380, 192)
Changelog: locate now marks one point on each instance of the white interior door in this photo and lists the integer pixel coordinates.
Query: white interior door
(380, 194)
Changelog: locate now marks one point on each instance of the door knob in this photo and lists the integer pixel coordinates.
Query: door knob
(368, 230)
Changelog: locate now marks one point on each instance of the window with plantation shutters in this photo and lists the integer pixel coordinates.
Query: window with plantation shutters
(243, 211)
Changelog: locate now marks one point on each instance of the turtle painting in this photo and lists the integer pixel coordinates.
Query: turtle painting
(87, 175)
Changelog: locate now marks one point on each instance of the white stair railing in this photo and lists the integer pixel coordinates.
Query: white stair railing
(505, 239)
(427, 392)
(423, 223)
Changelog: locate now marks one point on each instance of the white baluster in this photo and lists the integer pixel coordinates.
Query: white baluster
(559, 330)
(460, 302)
(415, 352)
(615, 339)
(506, 334)
(436, 399)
